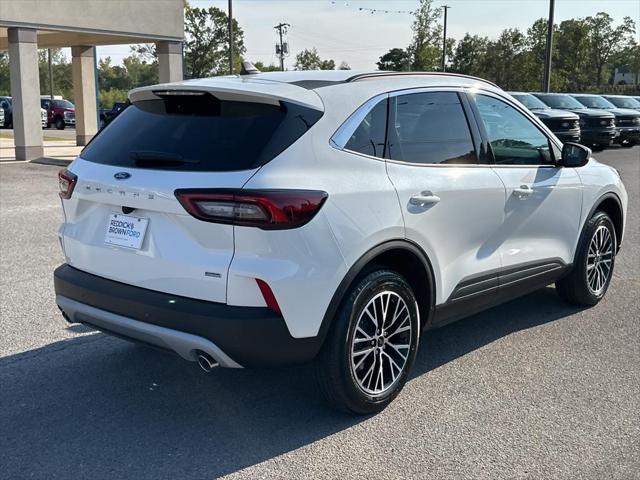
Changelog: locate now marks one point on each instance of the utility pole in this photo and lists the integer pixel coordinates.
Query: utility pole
(444, 39)
(50, 73)
(282, 29)
(546, 79)
(230, 38)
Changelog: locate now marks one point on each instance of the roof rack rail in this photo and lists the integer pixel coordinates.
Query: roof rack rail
(389, 74)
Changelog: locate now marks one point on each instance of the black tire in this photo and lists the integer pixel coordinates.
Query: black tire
(335, 365)
(576, 287)
(60, 123)
(627, 144)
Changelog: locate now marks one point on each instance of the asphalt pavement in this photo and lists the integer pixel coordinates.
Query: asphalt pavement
(531, 389)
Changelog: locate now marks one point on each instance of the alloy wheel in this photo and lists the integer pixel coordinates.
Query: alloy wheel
(381, 343)
(599, 260)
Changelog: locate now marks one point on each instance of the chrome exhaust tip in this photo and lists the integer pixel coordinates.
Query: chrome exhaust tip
(206, 361)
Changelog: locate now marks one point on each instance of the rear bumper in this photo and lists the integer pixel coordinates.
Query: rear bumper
(233, 336)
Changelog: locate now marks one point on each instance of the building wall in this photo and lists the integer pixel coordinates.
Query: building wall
(158, 18)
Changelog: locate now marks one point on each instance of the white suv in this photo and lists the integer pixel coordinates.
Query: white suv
(279, 218)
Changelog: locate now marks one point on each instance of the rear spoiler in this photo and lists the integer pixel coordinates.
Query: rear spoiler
(235, 89)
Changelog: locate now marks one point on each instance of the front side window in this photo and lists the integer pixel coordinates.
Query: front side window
(430, 128)
(514, 139)
(369, 137)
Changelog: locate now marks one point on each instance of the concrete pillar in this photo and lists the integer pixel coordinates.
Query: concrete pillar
(25, 90)
(84, 93)
(169, 61)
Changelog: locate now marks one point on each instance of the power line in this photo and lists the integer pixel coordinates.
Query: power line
(377, 10)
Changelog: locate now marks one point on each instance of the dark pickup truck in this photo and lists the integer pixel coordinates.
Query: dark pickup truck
(597, 127)
(627, 120)
(565, 125)
(107, 116)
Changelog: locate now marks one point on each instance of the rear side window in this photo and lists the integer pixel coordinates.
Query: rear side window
(369, 137)
(430, 128)
(199, 133)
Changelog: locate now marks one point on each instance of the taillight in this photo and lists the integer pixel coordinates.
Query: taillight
(266, 209)
(67, 182)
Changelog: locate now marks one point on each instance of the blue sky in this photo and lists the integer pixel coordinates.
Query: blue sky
(340, 30)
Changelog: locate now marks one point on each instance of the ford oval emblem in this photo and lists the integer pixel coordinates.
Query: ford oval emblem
(122, 175)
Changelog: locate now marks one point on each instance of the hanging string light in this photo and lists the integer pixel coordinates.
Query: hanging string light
(373, 11)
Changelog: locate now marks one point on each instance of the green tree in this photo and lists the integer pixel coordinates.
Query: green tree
(629, 55)
(109, 97)
(469, 56)
(207, 42)
(62, 81)
(146, 51)
(571, 46)
(139, 72)
(310, 60)
(5, 83)
(396, 59)
(505, 62)
(605, 40)
(426, 47)
(266, 68)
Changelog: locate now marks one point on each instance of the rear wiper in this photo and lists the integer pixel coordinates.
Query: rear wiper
(150, 156)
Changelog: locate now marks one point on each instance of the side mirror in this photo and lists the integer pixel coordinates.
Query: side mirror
(574, 155)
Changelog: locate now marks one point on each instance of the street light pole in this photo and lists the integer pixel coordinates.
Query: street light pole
(50, 73)
(230, 38)
(546, 79)
(444, 39)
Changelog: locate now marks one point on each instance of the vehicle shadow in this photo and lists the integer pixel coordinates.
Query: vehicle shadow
(96, 407)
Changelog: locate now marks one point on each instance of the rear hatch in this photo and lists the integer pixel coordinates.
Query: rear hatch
(123, 221)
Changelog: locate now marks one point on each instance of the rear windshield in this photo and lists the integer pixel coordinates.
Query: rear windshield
(199, 133)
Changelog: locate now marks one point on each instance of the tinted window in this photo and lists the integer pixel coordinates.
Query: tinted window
(369, 137)
(531, 102)
(199, 133)
(560, 101)
(63, 104)
(514, 139)
(622, 102)
(595, 102)
(430, 128)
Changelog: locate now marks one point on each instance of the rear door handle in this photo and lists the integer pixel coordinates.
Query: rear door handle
(523, 191)
(424, 198)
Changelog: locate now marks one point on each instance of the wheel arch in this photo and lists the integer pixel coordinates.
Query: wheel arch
(401, 256)
(610, 204)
